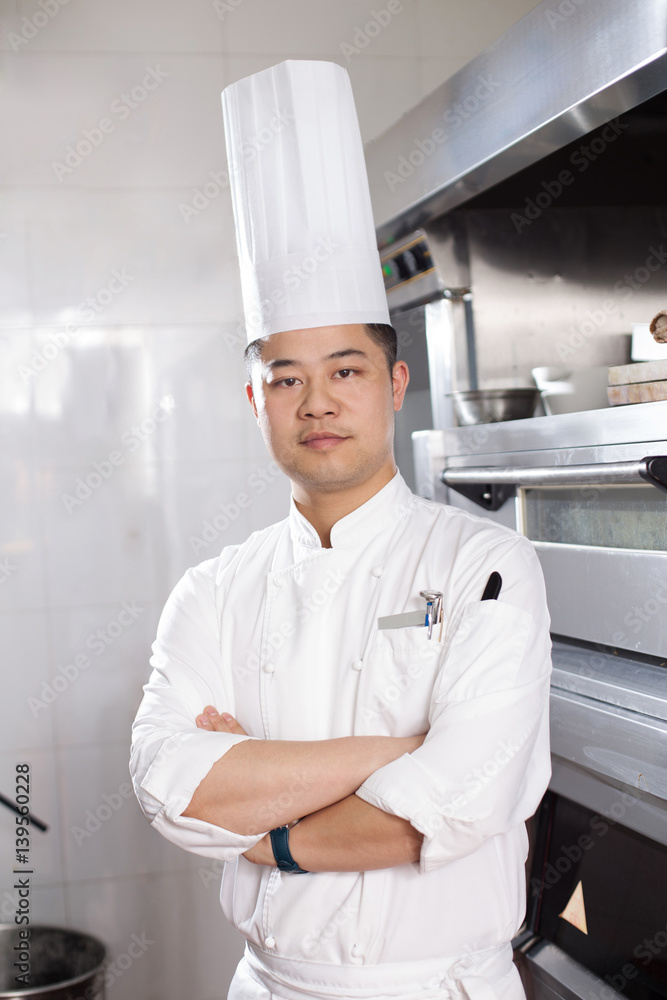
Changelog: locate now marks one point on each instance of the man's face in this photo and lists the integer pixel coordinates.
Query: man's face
(325, 402)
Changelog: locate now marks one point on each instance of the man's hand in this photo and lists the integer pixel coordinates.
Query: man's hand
(214, 722)
(259, 784)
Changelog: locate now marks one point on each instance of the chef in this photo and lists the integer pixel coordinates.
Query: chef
(350, 709)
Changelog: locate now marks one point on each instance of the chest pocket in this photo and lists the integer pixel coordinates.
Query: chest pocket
(399, 672)
(485, 652)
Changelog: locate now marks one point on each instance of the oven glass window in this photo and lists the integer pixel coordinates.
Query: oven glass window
(599, 892)
(620, 517)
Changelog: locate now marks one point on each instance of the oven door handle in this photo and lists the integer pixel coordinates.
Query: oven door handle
(490, 486)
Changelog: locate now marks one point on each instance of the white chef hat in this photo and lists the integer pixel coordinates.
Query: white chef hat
(304, 223)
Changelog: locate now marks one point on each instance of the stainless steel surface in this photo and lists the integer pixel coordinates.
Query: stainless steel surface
(428, 448)
(534, 90)
(638, 687)
(64, 964)
(554, 475)
(611, 741)
(562, 291)
(415, 413)
(556, 975)
(632, 807)
(612, 596)
(487, 406)
(599, 594)
(562, 436)
(440, 318)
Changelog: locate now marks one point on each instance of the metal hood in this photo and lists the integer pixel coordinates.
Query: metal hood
(563, 70)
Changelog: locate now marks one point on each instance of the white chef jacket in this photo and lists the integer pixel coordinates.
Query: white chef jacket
(283, 634)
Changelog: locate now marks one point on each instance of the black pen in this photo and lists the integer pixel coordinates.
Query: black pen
(492, 589)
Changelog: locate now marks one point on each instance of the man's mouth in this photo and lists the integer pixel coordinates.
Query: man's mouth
(320, 440)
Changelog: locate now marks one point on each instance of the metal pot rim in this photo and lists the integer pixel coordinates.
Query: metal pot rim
(63, 983)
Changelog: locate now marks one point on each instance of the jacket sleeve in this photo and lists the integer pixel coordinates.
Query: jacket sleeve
(485, 762)
(170, 756)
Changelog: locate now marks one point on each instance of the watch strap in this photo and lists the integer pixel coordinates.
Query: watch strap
(281, 851)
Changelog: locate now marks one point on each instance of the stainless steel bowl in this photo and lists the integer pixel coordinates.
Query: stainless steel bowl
(490, 406)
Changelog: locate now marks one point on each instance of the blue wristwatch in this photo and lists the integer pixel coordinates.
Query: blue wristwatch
(281, 851)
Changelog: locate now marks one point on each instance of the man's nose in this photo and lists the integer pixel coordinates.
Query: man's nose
(318, 401)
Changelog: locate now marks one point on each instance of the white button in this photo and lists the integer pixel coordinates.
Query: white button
(357, 664)
(376, 571)
(270, 941)
(356, 952)
(278, 581)
(269, 667)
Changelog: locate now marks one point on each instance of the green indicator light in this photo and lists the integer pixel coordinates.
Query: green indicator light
(386, 268)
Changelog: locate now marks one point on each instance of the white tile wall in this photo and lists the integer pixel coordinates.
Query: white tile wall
(112, 120)
(119, 291)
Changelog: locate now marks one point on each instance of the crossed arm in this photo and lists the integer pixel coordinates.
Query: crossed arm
(261, 784)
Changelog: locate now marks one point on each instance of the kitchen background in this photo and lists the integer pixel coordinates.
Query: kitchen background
(128, 451)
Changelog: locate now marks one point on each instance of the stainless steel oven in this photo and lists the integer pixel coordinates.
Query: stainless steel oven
(590, 491)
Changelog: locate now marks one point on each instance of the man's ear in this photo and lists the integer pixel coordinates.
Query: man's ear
(400, 377)
(251, 398)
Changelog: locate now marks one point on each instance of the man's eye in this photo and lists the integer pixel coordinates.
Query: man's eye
(288, 382)
(345, 372)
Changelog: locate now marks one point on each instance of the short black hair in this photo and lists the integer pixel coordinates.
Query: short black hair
(380, 333)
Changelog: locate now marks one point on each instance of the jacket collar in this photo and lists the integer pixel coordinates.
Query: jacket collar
(357, 528)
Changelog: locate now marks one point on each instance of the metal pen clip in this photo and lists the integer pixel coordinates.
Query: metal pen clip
(433, 608)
